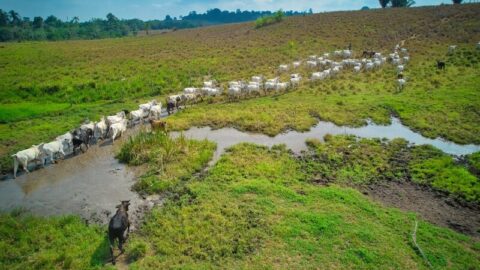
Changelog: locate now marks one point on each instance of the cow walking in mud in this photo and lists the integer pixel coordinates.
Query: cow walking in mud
(119, 227)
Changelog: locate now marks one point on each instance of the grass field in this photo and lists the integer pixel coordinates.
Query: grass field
(169, 160)
(353, 161)
(50, 243)
(122, 72)
(256, 209)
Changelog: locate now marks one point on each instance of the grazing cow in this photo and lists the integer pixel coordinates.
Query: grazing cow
(156, 111)
(100, 129)
(118, 225)
(117, 130)
(209, 84)
(406, 59)
(440, 65)
(357, 68)
(158, 125)
(347, 53)
(23, 157)
(337, 53)
(312, 58)
(326, 55)
(52, 149)
(369, 66)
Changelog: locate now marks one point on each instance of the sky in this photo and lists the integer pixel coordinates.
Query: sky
(158, 9)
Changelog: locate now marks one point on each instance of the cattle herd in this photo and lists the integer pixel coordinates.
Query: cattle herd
(79, 139)
(321, 67)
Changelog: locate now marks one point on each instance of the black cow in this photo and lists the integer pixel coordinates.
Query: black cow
(117, 227)
(440, 64)
(368, 54)
(170, 106)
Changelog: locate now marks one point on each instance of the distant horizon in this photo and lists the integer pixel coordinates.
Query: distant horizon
(157, 9)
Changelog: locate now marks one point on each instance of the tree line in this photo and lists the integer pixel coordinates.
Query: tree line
(404, 3)
(13, 27)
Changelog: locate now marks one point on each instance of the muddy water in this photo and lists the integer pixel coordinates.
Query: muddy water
(226, 137)
(89, 184)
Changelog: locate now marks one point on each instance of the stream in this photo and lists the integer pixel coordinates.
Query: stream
(93, 183)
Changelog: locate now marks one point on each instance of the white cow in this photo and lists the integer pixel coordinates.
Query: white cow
(138, 115)
(234, 91)
(258, 79)
(326, 55)
(452, 48)
(369, 66)
(400, 68)
(295, 79)
(478, 45)
(320, 75)
(347, 53)
(156, 110)
(312, 58)
(297, 64)
(283, 68)
(401, 83)
(404, 50)
(112, 119)
(190, 90)
(147, 106)
(69, 138)
(253, 87)
(357, 68)
(311, 64)
(209, 84)
(25, 156)
(52, 149)
(117, 129)
(406, 59)
(282, 86)
(100, 129)
(337, 53)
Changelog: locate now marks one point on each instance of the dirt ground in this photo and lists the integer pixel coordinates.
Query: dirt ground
(431, 205)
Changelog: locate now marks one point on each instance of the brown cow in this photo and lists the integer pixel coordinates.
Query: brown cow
(158, 125)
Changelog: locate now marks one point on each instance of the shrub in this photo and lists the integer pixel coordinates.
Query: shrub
(267, 20)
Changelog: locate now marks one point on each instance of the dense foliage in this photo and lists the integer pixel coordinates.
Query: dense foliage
(14, 27)
(267, 20)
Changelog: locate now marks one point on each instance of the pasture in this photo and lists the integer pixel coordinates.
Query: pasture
(260, 207)
(119, 72)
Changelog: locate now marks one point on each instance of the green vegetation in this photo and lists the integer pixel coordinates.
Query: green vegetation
(29, 242)
(267, 20)
(120, 73)
(350, 160)
(170, 160)
(21, 111)
(474, 162)
(254, 209)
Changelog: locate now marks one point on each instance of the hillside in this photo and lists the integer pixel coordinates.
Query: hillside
(263, 207)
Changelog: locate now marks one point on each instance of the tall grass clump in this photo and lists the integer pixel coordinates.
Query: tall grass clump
(267, 20)
(168, 159)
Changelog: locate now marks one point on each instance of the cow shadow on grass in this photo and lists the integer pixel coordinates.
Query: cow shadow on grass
(101, 255)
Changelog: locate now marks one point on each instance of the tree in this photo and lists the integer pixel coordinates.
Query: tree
(52, 21)
(14, 17)
(111, 18)
(365, 8)
(37, 22)
(402, 3)
(75, 20)
(3, 18)
(384, 3)
(457, 1)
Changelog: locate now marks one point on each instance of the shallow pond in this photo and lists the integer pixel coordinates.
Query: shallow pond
(226, 137)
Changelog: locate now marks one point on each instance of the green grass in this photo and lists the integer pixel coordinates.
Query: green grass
(350, 160)
(255, 209)
(22, 111)
(29, 242)
(169, 160)
(112, 72)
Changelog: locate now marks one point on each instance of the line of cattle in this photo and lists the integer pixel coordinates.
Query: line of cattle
(81, 138)
(258, 85)
(115, 125)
